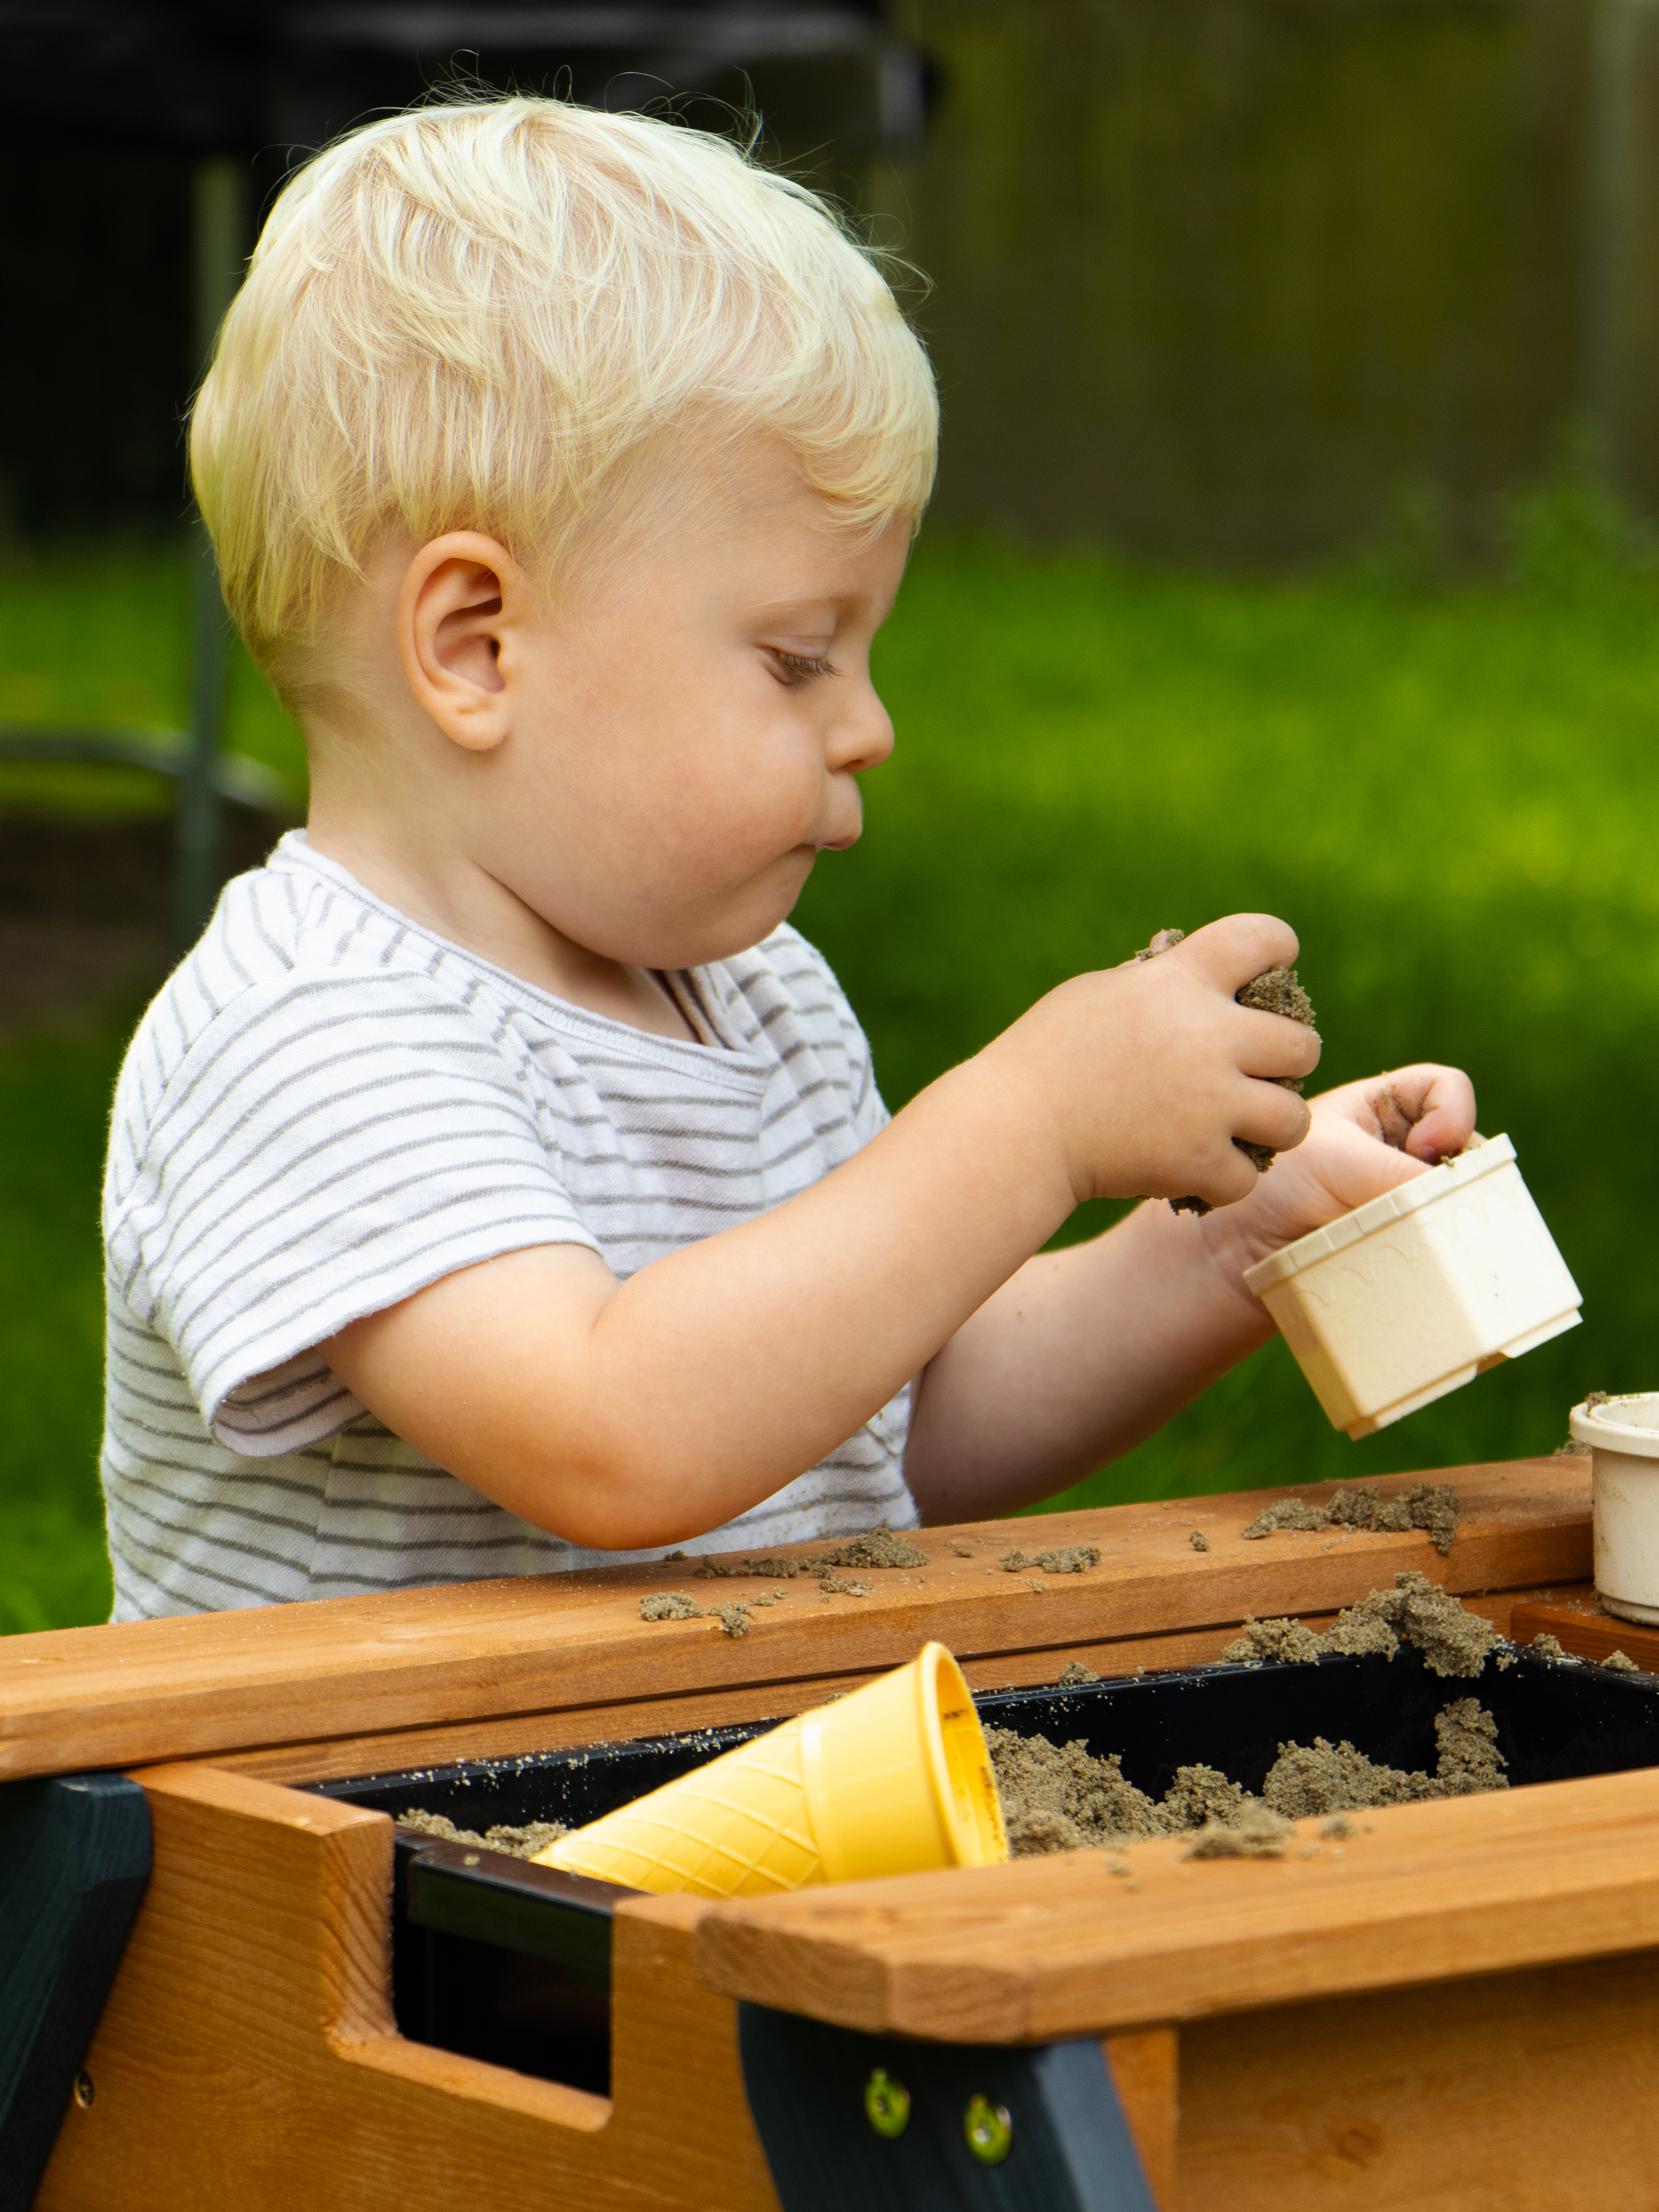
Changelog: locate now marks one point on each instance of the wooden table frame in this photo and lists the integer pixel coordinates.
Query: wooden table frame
(1454, 2011)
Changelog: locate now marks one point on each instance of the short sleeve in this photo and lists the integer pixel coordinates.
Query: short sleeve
(328, 1145)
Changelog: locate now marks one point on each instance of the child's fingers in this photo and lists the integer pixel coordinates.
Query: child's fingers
(1426, 1110)
(1272, 1047)
(1233, 951)
(1269, 1115)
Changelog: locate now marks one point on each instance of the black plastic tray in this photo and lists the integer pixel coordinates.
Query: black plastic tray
(502, 1961)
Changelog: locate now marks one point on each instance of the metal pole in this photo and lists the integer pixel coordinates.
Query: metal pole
(1620, 29)
(220, 231)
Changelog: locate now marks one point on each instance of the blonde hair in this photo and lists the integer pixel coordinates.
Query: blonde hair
(472, 316)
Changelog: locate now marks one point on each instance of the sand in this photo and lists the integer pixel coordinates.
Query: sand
(1431, 1506)
(1275, 992)
(517, 1842)
(1059, 1797)
(876, 1548)
(1068, 1559)
(1415, 1611)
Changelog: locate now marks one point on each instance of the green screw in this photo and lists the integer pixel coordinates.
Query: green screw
(990, 2131)
(886, 2104)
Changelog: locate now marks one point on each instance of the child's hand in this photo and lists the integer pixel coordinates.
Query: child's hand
(1147, 1072)
(1365, 1138)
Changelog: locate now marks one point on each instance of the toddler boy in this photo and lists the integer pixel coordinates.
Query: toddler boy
(502, 1184)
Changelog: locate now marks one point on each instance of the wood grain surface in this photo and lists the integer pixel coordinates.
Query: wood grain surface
(1529, 2091)
(247, 2056)
(1578, 1625)
(356, 1672)
(1062, 1946)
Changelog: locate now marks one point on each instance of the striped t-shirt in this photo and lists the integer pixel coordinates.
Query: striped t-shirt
(328, 1108)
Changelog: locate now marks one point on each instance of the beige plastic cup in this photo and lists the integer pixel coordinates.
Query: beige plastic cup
(1416, 1293)
(894, 1778)
(1622, 1438)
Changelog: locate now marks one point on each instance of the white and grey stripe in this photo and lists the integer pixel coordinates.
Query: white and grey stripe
(327, 1108)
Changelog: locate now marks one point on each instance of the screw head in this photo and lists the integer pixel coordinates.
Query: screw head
(84, 2090)
(990, 2131)
(886, 2104)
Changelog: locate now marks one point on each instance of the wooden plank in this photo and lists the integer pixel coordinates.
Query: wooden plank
(247, 2056)
(1056, 1947)
(1524, 2092)
(1579, 1626)
(1146, 2072)
(520, 1734)
(368, 1667)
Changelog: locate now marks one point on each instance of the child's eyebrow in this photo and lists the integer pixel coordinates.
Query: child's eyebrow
(838, 604)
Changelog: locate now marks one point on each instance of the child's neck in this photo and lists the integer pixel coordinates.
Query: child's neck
(455, 899)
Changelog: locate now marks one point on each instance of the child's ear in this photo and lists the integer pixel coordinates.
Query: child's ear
(457, 596)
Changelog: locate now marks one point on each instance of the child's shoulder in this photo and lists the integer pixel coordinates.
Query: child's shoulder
(298, 961)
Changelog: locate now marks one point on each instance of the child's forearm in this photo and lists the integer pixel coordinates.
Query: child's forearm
(1075, 1360)
(625, 1415)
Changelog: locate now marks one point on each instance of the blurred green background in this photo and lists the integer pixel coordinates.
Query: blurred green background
(1447, 781)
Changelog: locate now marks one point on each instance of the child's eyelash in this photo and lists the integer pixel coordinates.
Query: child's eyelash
(803, 666)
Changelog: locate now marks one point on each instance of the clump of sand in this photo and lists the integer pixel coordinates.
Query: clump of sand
(1325, 1777)
(877, 1547)
(1057, 1797)
(1068, 1559)
(520, 1842)
(1275, 992)
(1415, 1611)
(668, 1605)
(1431, 1506)
(1259, 1833)
(734, 1620)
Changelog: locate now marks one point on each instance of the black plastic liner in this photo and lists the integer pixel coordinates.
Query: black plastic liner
(502, 1961)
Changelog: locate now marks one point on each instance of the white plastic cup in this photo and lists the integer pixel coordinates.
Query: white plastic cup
(1622, 1438)
(1417, 1292)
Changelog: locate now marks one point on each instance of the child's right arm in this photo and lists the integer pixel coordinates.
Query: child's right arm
(624, 1415)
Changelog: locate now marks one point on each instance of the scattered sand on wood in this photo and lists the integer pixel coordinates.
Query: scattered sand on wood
(1431, 1506)
(1415, 1611)
(734, 1620)
(1550, 1647)
(521, 1843)
(1288, 1513)
(876, 1548)
(1069, 1560)
(1074, 1676)
(833, 1585)
(1281, 1640)
(1258, 1834)
(669, 1605)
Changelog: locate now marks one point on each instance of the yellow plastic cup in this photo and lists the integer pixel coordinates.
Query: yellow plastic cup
(893, 1780)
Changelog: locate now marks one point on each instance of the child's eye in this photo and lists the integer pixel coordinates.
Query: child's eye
(799, 667)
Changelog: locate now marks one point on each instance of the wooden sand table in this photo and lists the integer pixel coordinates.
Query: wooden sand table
(1459, 2009)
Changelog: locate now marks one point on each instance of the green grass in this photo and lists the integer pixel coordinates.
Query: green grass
(1451, 798)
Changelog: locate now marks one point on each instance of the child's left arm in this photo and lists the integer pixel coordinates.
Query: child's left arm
(1085, 1352)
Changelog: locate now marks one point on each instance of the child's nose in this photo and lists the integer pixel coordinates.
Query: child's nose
(862, 736)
